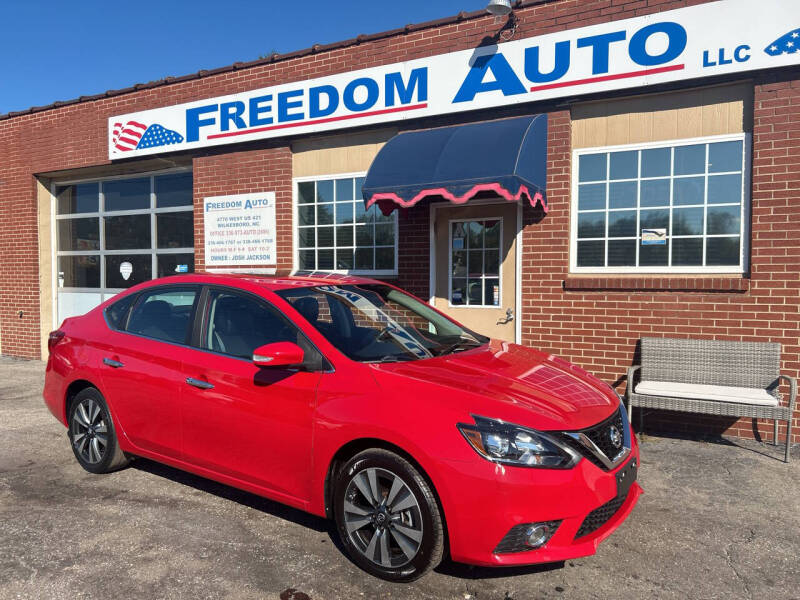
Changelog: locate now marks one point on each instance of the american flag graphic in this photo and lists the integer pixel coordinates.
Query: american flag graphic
(786, 44)
(134, 135)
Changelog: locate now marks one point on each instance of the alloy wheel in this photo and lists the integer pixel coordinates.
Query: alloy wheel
(382, 517)
(89, 431)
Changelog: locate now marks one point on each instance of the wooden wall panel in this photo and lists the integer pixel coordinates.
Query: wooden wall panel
(337, 154)
(676, 115)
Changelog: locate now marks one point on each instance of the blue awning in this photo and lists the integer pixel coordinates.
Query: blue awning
(507, 157)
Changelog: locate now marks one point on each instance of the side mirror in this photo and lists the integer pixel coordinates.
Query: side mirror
(279, 354)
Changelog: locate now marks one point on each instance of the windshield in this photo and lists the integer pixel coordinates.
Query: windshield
(377, 323)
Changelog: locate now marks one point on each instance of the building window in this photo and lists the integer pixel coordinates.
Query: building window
(670, 207)
(335, 233)
(114, 233)
(475, 262)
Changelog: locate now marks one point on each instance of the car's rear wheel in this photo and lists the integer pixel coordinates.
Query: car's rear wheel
(387, 516)
(92, 435)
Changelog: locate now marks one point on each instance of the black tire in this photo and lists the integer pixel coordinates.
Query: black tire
(411, 521)
(91, 433)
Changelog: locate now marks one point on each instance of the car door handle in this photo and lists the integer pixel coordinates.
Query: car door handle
(198, 383)
(113, 363)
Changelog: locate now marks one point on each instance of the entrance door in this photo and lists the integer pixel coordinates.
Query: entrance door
(475, 266)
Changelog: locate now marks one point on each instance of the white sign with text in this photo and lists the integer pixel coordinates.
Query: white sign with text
(706, 40)
(240, 230)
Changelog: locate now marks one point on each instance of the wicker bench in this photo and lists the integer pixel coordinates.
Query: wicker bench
(736, 379)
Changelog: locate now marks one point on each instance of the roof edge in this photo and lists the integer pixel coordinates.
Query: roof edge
(271, 59)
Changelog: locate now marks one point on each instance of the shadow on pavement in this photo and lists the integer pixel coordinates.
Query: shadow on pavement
(762, 448)
(242, 497)
(462, 571)
(276, 509)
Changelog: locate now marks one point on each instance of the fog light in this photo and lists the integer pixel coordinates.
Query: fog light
(527, 536)
(537, 535)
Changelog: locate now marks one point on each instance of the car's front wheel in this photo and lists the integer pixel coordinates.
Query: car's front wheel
(92, 435)
(387, 516)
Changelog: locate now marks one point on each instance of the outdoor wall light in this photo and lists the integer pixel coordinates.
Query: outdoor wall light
(499, 8)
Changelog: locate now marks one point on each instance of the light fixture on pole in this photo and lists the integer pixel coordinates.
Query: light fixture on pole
(499, 8)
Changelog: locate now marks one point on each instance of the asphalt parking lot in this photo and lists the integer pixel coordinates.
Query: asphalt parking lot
(717, 520)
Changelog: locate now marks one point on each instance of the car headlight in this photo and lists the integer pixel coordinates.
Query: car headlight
(511, 444)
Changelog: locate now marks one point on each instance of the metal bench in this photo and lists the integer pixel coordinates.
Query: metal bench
(735, 379)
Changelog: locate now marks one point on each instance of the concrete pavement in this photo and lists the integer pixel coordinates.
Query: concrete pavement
(717, 520)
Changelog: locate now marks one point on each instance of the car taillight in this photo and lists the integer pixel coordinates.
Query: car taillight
(54, 338)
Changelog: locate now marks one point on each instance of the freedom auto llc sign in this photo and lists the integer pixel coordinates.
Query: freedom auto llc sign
(717, 38)
(240, 230)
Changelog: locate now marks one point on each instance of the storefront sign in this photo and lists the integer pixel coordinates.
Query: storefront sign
(240, 230)
(717, 38)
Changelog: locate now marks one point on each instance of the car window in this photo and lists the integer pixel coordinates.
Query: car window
(378, 323)
(116, 313)
(237, 324)
(164, 315)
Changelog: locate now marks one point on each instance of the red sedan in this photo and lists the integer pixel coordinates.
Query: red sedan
(348, 398)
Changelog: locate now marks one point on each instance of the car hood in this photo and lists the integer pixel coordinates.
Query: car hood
(509, 382)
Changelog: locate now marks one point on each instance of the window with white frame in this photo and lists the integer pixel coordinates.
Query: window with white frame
(336, 233)
(112, 234)
(475, 260)
(668, 207)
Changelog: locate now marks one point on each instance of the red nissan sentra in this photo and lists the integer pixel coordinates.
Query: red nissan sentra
(348, 398)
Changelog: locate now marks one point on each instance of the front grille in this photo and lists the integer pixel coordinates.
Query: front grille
(600, 516)
(599, 434)
(583, 451)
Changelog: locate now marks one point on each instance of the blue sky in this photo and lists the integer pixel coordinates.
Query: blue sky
(58, 50)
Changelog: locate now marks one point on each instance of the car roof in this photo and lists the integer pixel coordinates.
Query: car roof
(270, 282)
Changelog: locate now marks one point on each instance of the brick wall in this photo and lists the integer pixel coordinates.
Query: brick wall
(595, 322)
(74, 135)
(414, 250)
(244, 172)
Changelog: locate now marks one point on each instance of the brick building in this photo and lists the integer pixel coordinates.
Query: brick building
(669, 183)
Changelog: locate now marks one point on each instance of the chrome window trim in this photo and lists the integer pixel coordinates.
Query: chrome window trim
(201, 286)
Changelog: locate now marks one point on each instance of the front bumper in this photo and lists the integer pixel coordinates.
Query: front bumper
(489, 499)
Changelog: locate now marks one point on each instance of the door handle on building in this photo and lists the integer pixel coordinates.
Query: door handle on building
(508, 318)
(113, 363)
(200, 384)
